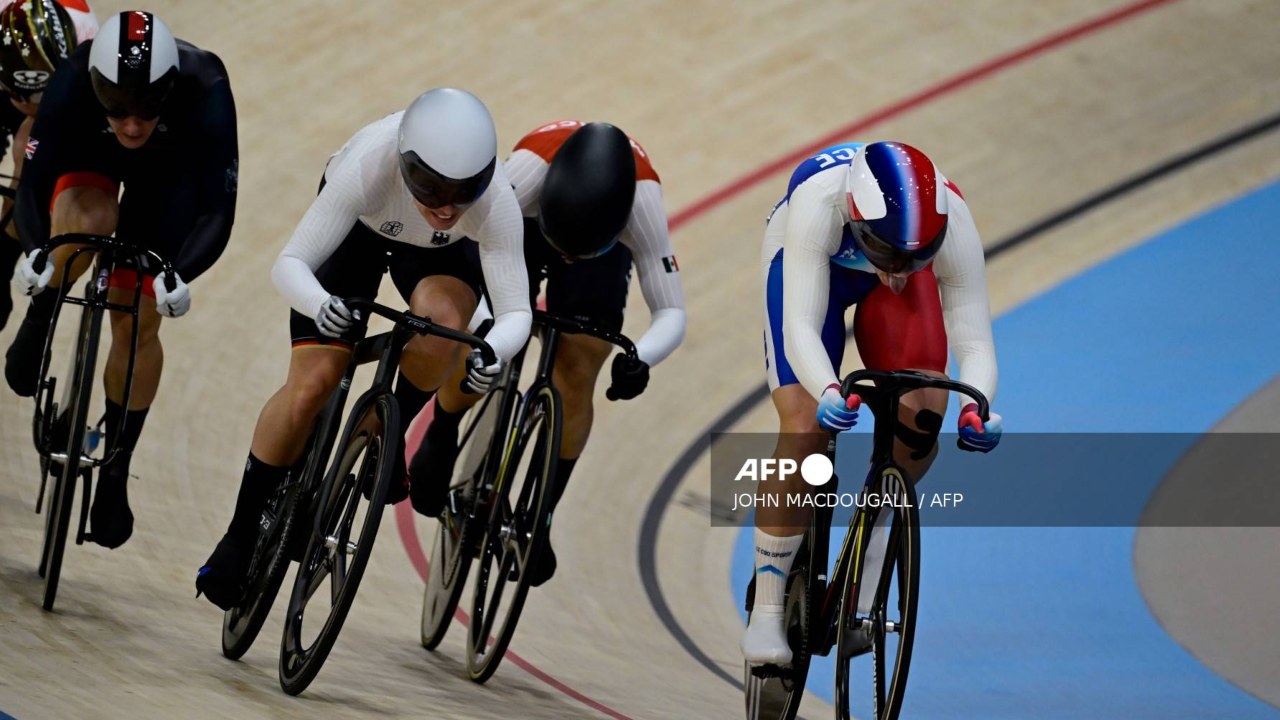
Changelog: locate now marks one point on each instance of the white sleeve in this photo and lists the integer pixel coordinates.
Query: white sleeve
(812, 236)
(320, 232)
(501, 240)
(961, 271)
(647, 236)
(526, 170)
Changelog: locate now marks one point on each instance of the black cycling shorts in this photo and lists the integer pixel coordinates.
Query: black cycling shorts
(592, 291)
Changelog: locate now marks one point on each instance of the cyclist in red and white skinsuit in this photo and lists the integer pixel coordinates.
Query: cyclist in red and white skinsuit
(879, 227)
(592, 204)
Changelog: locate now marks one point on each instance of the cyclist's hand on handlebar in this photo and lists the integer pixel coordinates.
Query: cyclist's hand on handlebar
(975, 435)
(27, 280)
(171, 303)
(334, 319)
(630, 377)
(835, 413)
(480, 377)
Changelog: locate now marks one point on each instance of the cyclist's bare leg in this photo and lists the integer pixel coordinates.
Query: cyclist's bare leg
(428, 360)
(80, 209)
(780, 529)
(150, 356)
(290, 414)
(578, 363)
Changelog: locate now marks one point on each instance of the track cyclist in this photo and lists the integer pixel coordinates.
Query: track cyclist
(592, 204)
(879, 227)
(135, 107)
(421, 193)
(35, 35)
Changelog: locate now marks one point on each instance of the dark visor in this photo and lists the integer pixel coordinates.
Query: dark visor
(890, 259)
(434, 190)
(120, 102)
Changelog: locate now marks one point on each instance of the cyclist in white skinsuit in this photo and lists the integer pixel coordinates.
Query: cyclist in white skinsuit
(416, 193)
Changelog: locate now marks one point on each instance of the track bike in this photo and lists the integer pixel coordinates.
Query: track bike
(63, 432)
(821, 612)
(348, 504)
(499, 508)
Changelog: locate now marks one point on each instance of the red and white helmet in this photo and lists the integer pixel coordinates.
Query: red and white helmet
(133, 65)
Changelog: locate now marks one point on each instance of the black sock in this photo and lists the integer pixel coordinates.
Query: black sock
(259, 481)
(564, 468)
(444, 420)
(410, 398)
(128, 439)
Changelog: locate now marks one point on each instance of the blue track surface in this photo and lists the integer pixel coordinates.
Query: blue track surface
(1049, 622)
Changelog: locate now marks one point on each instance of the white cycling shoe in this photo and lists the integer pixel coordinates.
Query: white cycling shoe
(765, 640)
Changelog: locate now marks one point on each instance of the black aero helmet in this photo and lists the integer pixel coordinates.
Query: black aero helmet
(588, 192)
(133, 65)
(35, 35)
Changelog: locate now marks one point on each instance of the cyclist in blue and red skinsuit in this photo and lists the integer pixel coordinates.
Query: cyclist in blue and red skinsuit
(876, 226)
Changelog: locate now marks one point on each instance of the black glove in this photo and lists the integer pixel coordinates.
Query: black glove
(630, 377)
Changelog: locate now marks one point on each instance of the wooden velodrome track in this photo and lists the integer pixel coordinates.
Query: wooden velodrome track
(1029, 107)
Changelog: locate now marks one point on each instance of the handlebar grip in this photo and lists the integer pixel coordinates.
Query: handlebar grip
(41, 259)
(170, 278)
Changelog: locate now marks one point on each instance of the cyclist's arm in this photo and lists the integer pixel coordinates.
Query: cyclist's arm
(320, 232)
(647, 236)
(501, 240)
(219, 169)
(527, 171)
(812, 235)
(52, 148)
(961, 271)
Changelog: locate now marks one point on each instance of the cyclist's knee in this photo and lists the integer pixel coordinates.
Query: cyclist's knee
(920, 419)
(797, 411)
(309, 390)
(85, 209)
(578, 363)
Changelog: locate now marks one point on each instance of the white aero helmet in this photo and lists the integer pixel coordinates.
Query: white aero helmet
(448, 148)
(133, 65)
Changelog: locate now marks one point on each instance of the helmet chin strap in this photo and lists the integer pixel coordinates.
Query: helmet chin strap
(896, 282)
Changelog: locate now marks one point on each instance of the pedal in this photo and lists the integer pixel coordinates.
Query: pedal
(770, 670)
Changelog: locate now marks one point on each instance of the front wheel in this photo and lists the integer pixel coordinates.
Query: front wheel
(342, 538)
(516, 533)
(58, 519)
(882, 637)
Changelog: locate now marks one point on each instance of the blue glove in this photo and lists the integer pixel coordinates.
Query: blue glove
(835, 413)
(975, 435)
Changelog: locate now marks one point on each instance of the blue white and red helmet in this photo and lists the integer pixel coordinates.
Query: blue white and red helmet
(897, 206)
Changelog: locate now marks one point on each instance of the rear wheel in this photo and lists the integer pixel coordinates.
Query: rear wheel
(515, 534)
(242, 623)
(775, 693)
(458, 526)
(879, 642)
(342, 540)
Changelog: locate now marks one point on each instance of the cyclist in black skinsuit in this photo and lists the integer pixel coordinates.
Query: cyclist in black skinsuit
(139, 108)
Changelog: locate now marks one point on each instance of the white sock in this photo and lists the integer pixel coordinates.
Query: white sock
(773, 563)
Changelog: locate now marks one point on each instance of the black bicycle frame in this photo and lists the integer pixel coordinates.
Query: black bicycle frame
(884, 401)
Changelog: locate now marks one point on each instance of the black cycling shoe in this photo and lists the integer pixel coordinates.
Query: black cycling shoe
(432, 469)
(543, 570)
(22, 361)
(399, 488)
(221, 579)
(110, 519)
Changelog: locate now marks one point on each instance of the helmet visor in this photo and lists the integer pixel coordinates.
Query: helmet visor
(891, 259)
(433, 190)
(120, 102)
(575, 246)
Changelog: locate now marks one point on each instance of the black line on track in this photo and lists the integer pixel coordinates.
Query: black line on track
(648, 541)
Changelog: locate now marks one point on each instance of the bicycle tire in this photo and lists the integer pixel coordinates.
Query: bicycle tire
(59, 517)
(540, 419)
(901, 564)
(778, 696)
(242, 623)
(451, 554)
(374, 423)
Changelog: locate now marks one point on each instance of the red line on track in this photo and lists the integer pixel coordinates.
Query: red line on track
(404, 512)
